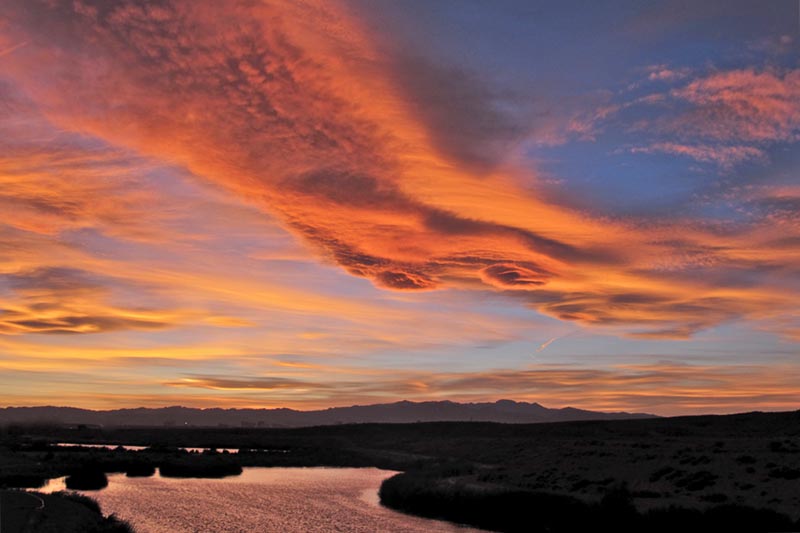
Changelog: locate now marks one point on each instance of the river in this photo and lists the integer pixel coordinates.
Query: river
(281, 500)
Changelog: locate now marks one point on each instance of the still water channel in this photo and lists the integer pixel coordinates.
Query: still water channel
(286, 500)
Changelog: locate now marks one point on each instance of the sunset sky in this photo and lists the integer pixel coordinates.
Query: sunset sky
(310, 204)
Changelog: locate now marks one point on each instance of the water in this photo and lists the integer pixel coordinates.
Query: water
(128, 447)
(285, 500)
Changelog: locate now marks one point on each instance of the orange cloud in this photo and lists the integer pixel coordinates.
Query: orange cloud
(290, 106)
(66, 301)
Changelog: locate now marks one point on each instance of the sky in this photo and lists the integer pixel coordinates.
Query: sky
(312, 203)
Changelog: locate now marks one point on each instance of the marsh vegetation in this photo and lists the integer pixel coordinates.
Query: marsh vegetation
(740, 470)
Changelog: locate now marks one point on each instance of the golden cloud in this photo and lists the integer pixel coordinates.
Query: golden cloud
(291, 106)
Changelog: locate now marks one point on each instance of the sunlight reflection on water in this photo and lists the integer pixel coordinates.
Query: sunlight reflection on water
(290, 500)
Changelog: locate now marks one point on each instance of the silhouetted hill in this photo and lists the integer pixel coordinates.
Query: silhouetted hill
(400, 412)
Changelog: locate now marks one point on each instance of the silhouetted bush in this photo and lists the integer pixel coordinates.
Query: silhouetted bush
(782, 447)
(697, 480)
(92, 521)
(785, 472)
(140, 470)
(661, 472)
(579, 485)
(646, 494)
(507, 510)
(715, 498)
(81, 499)
(88, 478)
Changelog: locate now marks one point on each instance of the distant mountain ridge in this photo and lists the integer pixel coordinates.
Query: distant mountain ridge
(506, 411)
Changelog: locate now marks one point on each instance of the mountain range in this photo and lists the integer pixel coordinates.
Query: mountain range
(506, 411)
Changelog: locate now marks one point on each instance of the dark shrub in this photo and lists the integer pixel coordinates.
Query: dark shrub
(785, 472)
(513, 511)
(87, 479)
(697, 480)
(81, 499)
(140, 470)
(714, 498)
(660, 473)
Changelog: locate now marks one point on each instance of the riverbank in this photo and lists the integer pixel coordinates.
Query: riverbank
(33, 512)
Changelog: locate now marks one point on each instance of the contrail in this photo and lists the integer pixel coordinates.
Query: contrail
(13, 48)
(546, 343)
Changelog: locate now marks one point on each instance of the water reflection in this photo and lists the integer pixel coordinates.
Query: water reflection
(128, 447)
(290, 500)
(100, 446)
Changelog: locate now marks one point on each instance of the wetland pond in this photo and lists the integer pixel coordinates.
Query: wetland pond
(287, 500)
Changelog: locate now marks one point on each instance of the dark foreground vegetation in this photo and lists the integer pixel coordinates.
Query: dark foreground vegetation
(516, 510)
(710, 473)
(62, 512)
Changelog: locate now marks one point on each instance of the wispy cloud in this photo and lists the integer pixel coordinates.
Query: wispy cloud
(744, 105)
(665, 73)
(724, 156)
(664, 388)
(12, 49)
